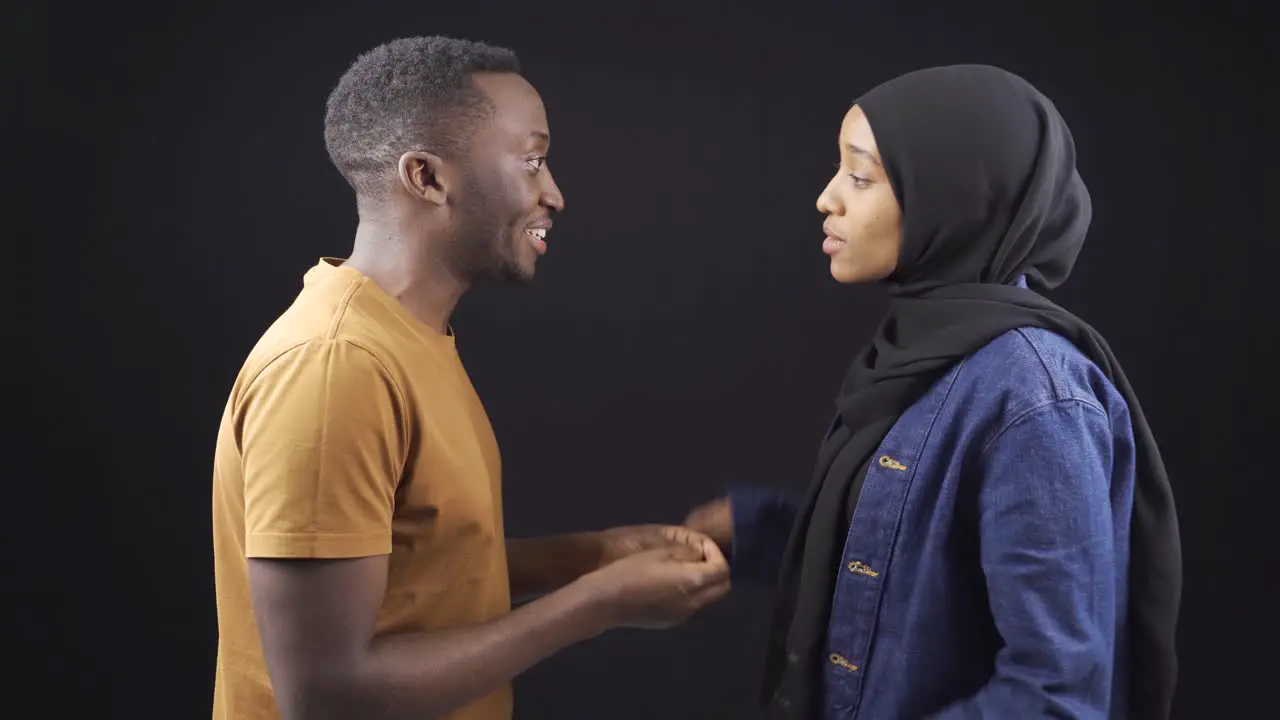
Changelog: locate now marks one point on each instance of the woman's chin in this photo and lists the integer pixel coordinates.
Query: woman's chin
(847, 273)
(850, 271)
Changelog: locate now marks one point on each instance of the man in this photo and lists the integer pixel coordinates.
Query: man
(361, 564)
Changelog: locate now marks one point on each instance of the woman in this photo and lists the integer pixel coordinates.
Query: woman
(990, 531)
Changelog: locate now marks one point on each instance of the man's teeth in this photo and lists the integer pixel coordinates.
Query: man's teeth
(540, 233)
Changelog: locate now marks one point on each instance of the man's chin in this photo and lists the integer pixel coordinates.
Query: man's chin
(519, 278)
(522, 269)
(514, 272)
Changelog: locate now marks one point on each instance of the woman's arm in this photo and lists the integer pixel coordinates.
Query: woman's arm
(752, 526)
(1053, 529)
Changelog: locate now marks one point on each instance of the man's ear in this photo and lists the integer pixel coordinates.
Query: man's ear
(424, 176)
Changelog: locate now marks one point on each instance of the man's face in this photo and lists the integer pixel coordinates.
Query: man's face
(503, 209)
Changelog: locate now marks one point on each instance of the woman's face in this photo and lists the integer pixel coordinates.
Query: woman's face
(864, 221)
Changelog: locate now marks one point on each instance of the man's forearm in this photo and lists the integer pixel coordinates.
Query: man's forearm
(425, 675)
(537, 566)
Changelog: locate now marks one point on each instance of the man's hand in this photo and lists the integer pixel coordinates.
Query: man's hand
(715, 520)
(622, 542)
(657, 589)
(545, 564)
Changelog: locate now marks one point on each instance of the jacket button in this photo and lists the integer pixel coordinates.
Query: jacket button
(891, 463)
(862, 569)
(840, 661)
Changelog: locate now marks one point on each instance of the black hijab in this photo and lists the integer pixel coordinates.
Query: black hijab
(983, 167)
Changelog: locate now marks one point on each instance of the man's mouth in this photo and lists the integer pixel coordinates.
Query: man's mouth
(538, 238)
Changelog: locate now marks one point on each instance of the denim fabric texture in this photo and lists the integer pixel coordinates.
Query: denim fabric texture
(984, 574)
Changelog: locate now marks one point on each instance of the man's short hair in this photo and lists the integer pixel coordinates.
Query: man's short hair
(408, 94)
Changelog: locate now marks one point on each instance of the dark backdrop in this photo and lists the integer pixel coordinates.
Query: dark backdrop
(170, 181)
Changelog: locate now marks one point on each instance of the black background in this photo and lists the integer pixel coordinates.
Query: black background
(170, 184)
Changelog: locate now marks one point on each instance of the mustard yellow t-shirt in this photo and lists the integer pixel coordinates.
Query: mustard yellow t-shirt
(353, 430)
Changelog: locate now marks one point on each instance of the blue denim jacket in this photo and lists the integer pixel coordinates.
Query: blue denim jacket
(984, 575)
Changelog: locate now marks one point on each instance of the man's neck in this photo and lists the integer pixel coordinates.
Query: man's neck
(408, 270)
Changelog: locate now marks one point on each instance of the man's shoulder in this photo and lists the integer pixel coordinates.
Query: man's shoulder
(335, 313)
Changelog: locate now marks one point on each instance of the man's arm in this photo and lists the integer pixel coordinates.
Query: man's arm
(317, 618)
(540, 565)
(323, 439)
(1048, 553)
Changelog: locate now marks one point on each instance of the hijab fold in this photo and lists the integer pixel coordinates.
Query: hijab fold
(983, 167)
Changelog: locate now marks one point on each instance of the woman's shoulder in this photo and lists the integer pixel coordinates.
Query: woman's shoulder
(1026, 368)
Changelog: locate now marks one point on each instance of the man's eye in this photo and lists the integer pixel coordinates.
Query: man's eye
(535, 164)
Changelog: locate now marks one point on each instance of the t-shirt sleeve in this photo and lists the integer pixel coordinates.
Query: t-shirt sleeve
(322, 437)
